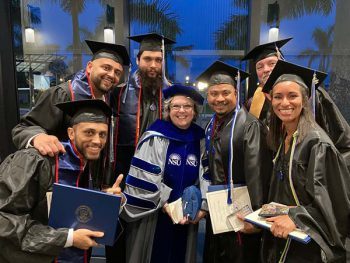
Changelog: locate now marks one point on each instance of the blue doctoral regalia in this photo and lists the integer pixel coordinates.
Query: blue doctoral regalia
(166, 161)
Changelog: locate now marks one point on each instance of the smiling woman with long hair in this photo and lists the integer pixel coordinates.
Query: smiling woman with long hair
(310, 175)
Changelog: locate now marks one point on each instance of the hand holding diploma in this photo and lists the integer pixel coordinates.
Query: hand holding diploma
(281, 226)
(84, 238)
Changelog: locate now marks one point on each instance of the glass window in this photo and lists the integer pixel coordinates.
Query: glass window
(49, 36)
(49, 41)
(320, 39)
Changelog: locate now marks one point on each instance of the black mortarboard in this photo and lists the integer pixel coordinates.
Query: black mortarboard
(115, 52)
(221, 73)
(265, 50)
(92, 110)
(151, 41)
(188, 91)
(286, 71)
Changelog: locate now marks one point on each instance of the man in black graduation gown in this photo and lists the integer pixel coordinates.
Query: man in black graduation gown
(136, 106)
(25, 178)
(138, 103)
(42, 126)
(45, 125)
(251, 161)
(265, 57)
(328, 116)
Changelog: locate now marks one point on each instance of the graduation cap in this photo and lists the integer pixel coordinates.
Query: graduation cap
(188, 91)
(92, 110)
(306, 77)
(266, 50)
(221, 73)
(116, 52)
(151, 41)
(286, 71)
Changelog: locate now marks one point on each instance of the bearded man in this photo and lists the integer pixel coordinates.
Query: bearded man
(135, 107)
(138, 104)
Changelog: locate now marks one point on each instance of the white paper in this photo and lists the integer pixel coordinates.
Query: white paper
(176, 210)
(237, 223)
(222, 215)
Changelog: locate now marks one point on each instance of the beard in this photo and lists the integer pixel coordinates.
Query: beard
(100, 86)
(83, 151)
(150, 86)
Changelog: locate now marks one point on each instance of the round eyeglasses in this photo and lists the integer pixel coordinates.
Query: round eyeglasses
(176, 107)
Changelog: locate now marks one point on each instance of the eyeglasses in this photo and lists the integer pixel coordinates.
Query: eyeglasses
(186, 107)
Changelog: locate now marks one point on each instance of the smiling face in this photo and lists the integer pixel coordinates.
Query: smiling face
(104, 74)
(264, 68)
(181, 111)
(89, 138)
(287, 103)
(222, 99)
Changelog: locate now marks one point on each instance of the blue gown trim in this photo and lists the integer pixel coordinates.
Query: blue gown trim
(69, 169)
(139, 202)
(80, 86)
(140, 183)
(206, 176)
(146, 166)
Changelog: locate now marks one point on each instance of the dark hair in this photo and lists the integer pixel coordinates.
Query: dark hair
(276, 130)
(139, 55)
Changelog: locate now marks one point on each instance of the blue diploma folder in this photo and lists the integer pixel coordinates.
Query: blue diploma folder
(74, 207)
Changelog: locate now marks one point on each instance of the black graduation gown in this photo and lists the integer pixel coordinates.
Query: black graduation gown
(252, 167)
(124, 102)
(333, 123)
(45, 117)
(125, 105)
(322, 184)
(25, 177)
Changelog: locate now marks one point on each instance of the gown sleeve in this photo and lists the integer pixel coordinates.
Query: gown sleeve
(332, 121)
(257, 163)
(144, 188)
(45, 117)
(24, 180)
(204, 177)
(326, 216)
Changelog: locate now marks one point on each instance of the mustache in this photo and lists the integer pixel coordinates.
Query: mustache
(220, 103)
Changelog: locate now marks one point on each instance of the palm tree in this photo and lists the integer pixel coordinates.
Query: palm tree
(233, 34)
(340, 71)
(74, 8)
(324, 42)
(156, 15)
(299, 8)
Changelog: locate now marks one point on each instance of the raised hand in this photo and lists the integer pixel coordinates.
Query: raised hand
(115, 189)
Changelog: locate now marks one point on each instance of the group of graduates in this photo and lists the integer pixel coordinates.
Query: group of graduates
(289, 144)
